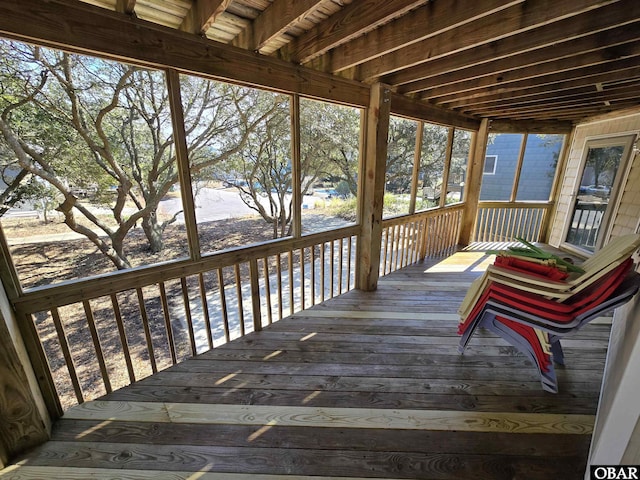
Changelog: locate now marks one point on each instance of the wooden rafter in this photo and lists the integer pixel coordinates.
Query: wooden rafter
(275, 19)
(516, 23)
(423, 23)
(352, 21)
(588, 23)
(579, 52)
(202, 15)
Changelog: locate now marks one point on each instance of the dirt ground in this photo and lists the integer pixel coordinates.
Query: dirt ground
(49, 262)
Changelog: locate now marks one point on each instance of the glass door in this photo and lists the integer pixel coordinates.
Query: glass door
(597, 192)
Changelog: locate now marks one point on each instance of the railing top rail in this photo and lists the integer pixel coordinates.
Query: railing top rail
(516, 204)
(432, 212)
(43, 298)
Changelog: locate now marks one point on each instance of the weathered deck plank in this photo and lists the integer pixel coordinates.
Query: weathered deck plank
(365, 385)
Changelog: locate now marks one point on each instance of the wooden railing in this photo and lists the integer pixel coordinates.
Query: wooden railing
(585, 224)
(100, 334)
(504, 221)
(96, 335)
(405, 240)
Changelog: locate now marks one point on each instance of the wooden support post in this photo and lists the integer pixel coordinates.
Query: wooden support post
(444, 188)
(373, 191)
(473, 182)
(516, 177)
(416, 168)
(182, 157)
(296, 175)
(25, 421)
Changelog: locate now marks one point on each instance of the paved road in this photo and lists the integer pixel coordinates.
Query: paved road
(218, 204)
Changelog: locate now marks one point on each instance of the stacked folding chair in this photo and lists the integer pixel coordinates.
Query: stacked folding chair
(533, 302)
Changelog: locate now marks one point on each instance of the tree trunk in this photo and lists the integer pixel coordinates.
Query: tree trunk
(153, 231)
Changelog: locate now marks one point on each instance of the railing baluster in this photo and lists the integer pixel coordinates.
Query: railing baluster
(349, 264)
(223, 306)
(97, 346)
(66, 353)
(322, 270)
(236, 270)
(384, 243)
(340, 260)
(147, 333)
(332, 267)
(187, 312)
(407, 237)
(302, 282)
(312, 274)
(123, 338)
(267, 290)
(205, 309)
(279, 279)
(167, 322)
(291, 296)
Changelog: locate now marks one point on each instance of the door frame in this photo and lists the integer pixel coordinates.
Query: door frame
(627, 140)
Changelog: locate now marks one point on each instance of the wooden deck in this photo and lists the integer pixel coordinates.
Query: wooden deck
(367, 385)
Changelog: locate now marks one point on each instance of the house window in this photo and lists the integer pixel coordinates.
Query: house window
(490, 162)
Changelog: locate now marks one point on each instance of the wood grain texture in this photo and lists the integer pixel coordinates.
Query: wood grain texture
(364, 385)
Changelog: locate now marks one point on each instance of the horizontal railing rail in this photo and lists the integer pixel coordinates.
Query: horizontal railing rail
(507, 221)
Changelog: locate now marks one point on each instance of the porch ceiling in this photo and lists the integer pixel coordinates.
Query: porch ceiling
(539, 60)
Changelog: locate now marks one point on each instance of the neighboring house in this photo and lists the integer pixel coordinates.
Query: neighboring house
(537, 173)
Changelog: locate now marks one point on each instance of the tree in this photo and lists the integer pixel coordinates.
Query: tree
(263, 167)
(72, 120)
(604, 161)
(329, 141)
(400, 154)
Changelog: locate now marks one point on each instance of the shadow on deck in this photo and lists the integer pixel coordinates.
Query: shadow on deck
(366, 385)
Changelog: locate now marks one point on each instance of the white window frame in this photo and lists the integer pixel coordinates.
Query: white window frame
(495, 162)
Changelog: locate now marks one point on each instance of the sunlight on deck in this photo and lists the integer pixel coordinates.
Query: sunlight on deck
(462, 262)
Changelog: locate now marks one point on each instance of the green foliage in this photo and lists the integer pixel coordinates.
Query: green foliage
(395, 204)
(343, 208)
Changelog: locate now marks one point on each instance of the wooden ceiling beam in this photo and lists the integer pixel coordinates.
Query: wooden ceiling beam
(353, 20)
(591, 95)
(629, 93)
(408, 107)
(543, 93)
(565, 67)
(574, 114)
(548, 126)
(604, 45)
(592, 17)
(87, 29)
(275, 19)
(83, 28)
(518, 19)
(590, 75)
(202, 15)
(422, 23)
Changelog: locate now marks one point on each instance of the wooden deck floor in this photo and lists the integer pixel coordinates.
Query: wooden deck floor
(367, 385)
